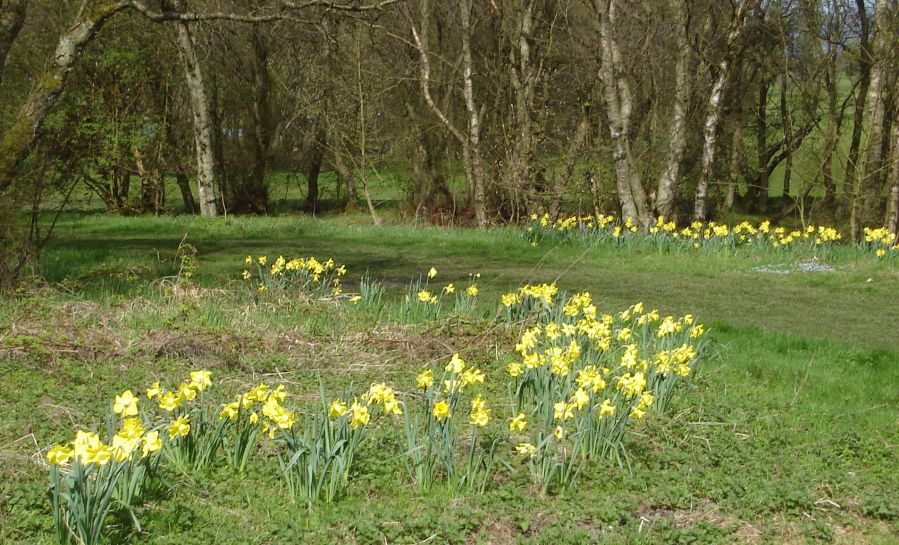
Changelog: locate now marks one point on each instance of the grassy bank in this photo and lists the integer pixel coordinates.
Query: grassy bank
(786, 433)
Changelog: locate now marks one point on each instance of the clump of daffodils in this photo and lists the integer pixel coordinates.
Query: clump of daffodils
(91, 474)
(579, 380)
(882, 242)
(425, 300)
(581, 377)
(319, 453)
(448, 402)
(306, 274)
(699, 235)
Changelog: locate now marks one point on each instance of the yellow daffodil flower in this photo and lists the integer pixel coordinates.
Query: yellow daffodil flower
(179, 427)
(519, 423)
(125, 404)
(441, 411)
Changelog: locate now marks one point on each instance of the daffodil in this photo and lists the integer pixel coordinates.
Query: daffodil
(432, 272)
(606, 409)
(360, 414)
(479, 418)
(84, 440)
(526, 449)
(186, 392)
(179, 427)
(230, 410)
(425, 379)
(132, 428)
(154, 390)
(337, 408)
(519, 423)
(125, 404)
(480, 414)
(123, 447)
(60, 455)
(472, 376)
(200, 380)
(279, 393)
(456, 365)
(285, 419)
(150, 443)
(394, 407)
(441, 411)
(580, 399)
(98, 454)
(563, 410)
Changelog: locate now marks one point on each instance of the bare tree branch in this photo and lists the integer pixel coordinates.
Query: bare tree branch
(283, 11)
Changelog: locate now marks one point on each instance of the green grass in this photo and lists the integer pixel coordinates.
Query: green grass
(787, 434)
(858, 303)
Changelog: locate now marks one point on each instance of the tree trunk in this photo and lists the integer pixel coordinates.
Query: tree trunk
(420, 179)
(12, 16)
(201, 107)
(428, 173)
(471, 158)
(713, 111)
(190, 205)
(574, 146)
(617, 95)
(149, 185)
(262, 124)
(19, 139)
(868, 186)
(892, 216)
(736, 162)
(314, 169)
(478, 191)
(759, 202)
(677, 138)
(522, 78)
(832, 135)
(858, 118)
(787, 122)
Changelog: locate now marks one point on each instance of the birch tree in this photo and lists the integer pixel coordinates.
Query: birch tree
(618, 101)
(868, 181)
(714, 108)
(470, 139)
(677, 138)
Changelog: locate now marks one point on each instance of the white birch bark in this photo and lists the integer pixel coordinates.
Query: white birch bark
(868, 184)
(677, 138)
(471, 158)
(474, 130)
(892, 216)
(713, 112)
(202, 118)
(617, 95)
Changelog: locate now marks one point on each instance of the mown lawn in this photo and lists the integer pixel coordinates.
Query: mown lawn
(787, 433)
